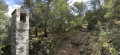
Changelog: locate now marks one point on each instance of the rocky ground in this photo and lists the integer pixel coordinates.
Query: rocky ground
(66, 44)
(74, 45)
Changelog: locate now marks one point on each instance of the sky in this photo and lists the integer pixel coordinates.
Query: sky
(12, 4)
(72, 1)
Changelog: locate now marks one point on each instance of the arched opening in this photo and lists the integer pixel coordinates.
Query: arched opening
(23, 17)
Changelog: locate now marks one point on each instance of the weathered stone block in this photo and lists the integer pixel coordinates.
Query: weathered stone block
(22, 25)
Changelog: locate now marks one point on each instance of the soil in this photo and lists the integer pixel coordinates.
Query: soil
(67, 44)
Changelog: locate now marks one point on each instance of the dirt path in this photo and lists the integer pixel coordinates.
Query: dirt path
(74, 45)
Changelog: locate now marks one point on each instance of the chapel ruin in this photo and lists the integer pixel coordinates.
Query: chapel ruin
(20, 32)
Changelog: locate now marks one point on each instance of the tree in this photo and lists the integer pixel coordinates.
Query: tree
(47, 16)
(106, 20)
(60, 16)
(47, 13)
(3, 19)
(95, 4)
(29, 5)
(79, 8)
(43, 12)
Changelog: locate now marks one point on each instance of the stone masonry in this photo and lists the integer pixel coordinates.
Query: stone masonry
(20, 32)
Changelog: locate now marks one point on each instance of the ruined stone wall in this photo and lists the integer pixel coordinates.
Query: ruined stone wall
(13, 42)
(20, 33)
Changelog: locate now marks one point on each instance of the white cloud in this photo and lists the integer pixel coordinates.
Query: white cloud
(7, 2)
(11, 9)
(17, 6)
(72, 1)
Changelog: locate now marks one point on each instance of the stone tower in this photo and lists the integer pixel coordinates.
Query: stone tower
(20, 32)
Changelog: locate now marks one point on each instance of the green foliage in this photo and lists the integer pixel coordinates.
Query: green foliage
(76, 24)
(3, 21)
(79, 7)
(60, 17)
(107, 20)
(3, 10)
(93, 17)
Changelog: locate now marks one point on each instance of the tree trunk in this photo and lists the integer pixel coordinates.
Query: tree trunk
(47, 13)
(35, 19)
(0, 47)
(36, 34)
(45, 32)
